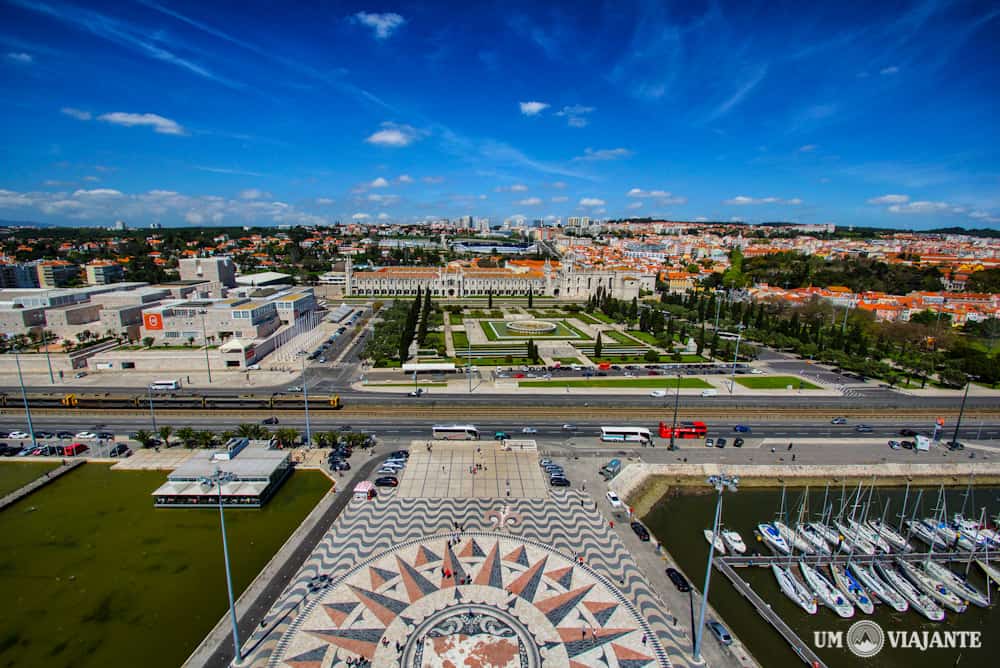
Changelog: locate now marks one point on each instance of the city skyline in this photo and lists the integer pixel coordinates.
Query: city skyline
(192, 115)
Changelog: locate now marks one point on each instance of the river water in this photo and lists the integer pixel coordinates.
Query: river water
(677, 521)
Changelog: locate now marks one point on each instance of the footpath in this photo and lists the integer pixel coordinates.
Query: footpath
(39, 482)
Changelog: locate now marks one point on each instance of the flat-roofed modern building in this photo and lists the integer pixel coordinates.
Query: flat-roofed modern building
(257, 469)
(194, 320)
(103, 272)
(219, 269)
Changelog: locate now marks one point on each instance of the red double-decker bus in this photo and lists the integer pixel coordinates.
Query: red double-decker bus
(684, 430)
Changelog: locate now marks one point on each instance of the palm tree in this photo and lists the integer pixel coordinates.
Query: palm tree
(206, 439)
(165, 433)
(248, 430)
(186, 436)
(144, 437)
(287, 436)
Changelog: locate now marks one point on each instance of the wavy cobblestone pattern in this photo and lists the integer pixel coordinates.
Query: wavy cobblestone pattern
(375, 580)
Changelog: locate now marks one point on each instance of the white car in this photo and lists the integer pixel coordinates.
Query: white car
(529, 430)
(86, 434)
(658, 393)
(614, 500)
(20, 434)
(756, 372)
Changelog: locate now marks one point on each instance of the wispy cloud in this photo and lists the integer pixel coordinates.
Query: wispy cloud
(739, 95)
(604, 154)
(591, 202)
(150, 44)
(886, 71)
(743, 200)
(662, 197)
(808, 148)
(226, 170)
(395, 135)
(160, 124)
(20, 57)
(533, 108)
(576, 115)
(382, 25)
(78, 114)
(889, 199)
(530, 201)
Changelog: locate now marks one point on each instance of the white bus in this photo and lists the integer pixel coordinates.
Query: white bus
(165, 385)
(625, 434)
(459, 432)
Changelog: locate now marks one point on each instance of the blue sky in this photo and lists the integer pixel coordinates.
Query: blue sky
(233, 113)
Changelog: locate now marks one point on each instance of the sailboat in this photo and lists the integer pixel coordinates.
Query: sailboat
(829, 595)
(878, 587)
(719, 545)
(955, 583)
(920, 602)
(772, 539)
(734, 541)
(794, 589)
(931, 586)
(989, 571)
(862, 529)
(890, 535)
(794, 537)
(855, 592)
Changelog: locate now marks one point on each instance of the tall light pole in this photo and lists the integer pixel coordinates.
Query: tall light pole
(204, 338)
(677, 401)
(961, 410)
(305, 398)
(721, 483)
(24, 398)
(469, 367)
(218, 479)
(152, 413)
(48, 357)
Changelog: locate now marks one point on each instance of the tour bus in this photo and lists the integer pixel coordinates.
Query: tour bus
(684, 430)
(629, 434)
(459, 432)
(165, 385)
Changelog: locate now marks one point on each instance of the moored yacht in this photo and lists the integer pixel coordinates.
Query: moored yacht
(794, 589)
(879, 588)
(734, 541)
(919, 601)
(855, 592)
(827, 594)
(930, 586)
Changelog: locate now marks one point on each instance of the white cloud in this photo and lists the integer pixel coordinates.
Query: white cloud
(160, 124)
(635, 205)
(533, 108)
(404, 178)
(591, 201)
(384, 200)
(194, 218)
(892, 69)
(808, 148)
(78, 114)
(324, 201)
(253, 193)
(383, 216)
(604, 154)
(890, 199)
(379, 183)
(432, 179)
(920, 207)
(741, 200)
(575, 115)
(662, 197)
(394, 135)
(21, 58)
(98, 192)
(560, 198)
(531, 201)
(559, 185)
(90, 178)
(383, 25)
(360, 216)
(516, 188)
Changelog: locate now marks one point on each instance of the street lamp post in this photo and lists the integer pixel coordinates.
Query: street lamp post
(961, 410)
(152, 413)
(468, 369)
(204, 338)
(721, 483)
(48, 357)
(305, 399)
(218, 479)
(677, 401)
(24, 398)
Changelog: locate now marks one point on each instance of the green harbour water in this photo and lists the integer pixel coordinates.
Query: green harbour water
(15, 474)
(92, 575)
(678, 521)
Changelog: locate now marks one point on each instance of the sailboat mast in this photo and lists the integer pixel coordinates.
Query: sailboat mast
(902, 513)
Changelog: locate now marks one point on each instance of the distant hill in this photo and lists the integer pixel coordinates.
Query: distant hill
(982, 232)
(25, 223)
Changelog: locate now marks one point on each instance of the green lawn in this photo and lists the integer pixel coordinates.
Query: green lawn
(497, 330)
(420, 383)
(15, 474)
(659, 382)
(494, 361)
(455, 318)
(645, 337)
(460, 340)
(638, 359)
(621, 338)
(585, 317)
(600, 316)
(98, 577)
(568, 360)
(774, 382)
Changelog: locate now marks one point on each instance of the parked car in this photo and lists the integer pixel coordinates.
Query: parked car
(405, 454)
(20, 434)
(720, 632)
(120, 450)
(85, 434)
(720, 442)
(742, 429)
(640, 531)
(44, 434)
(679, 580)
(909, 433)
(907, 445)
(838, 420)
(64, 434)
(387, 470)
(73, 450)
(709, 442)
(614, 500)
(79, 374)
(269, 420)
(500, 436)
(294, 388)
(340, 465)
(738, 442)
(387, 481)
(12, 450)
(894, 445)
(106, 435)
(558, 481)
